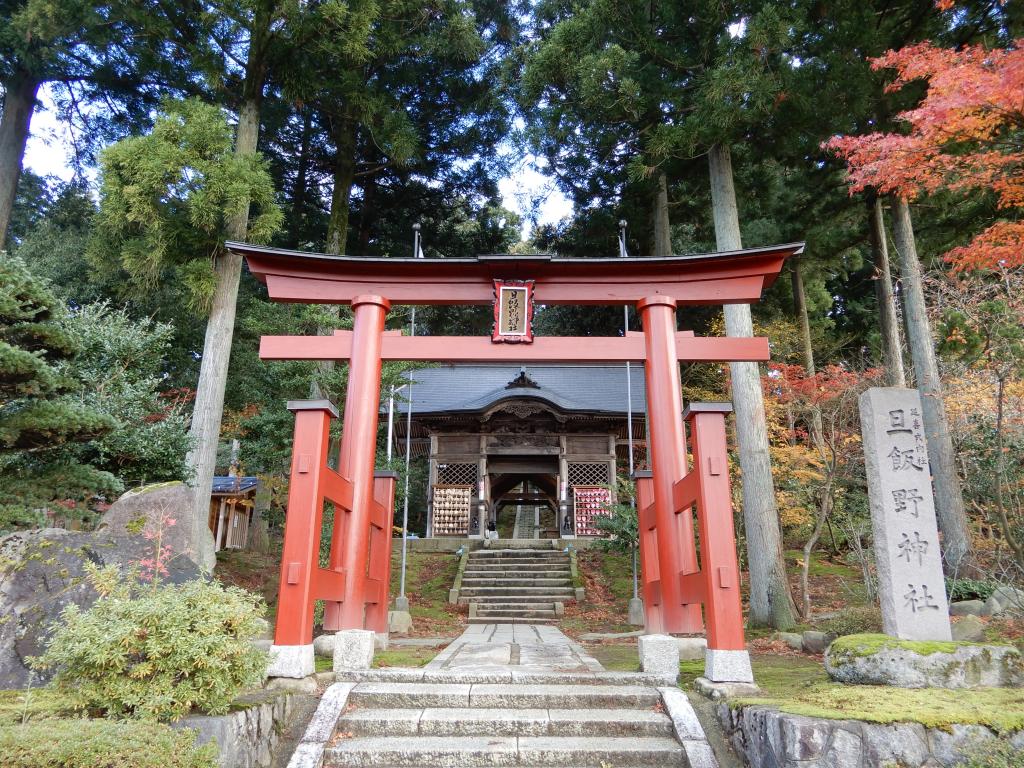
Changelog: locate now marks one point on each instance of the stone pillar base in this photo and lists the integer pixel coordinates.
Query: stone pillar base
(636, 612)
(401, 603)
(659, 655)
(353, 649)
(727, 666)
(291, 661)
(381, 641)
(400, 622)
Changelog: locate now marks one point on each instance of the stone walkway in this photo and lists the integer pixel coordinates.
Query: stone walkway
(536, 648)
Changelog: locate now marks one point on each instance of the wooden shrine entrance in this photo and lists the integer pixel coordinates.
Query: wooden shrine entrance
(674, 497)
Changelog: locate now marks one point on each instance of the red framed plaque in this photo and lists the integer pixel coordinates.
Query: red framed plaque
(513, 312)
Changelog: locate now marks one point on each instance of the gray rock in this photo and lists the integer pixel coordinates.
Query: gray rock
(636, 612)
(323, 646)
(793, 639)
(805, 738)
(691, 648)
(400, 622)
(816, 642)
(844, 751)
(293, 684)
(190, 535)
(1010, 599)
(904, 744)
(967, 666)
(967, 608)
(948, 746)
(353, 649)
(992, 607)
(42, 572)
(969, 629)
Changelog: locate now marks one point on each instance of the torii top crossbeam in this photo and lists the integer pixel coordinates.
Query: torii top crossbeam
(729, 277)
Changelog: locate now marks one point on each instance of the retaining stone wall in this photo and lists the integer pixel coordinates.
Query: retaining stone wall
(767, 738)
(247, 737)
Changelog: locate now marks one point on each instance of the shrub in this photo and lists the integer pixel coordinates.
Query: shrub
(993, 753)
(856, 620)
(102, 744)
(157, 651)
(969, 589)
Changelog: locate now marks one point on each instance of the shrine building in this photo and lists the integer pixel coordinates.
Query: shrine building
(533, 449)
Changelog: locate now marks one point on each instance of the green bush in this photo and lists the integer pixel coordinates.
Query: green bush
(994, 753)
(856, 620)
(157, 651)
(969, 589)
(101, 744)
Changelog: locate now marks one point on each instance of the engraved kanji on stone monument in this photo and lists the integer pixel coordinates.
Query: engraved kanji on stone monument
(911, 587)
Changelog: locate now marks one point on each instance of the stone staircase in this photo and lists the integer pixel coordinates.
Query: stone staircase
(575, 724)
(504, 586)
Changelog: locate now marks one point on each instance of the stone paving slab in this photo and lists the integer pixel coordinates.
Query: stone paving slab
(562, 696)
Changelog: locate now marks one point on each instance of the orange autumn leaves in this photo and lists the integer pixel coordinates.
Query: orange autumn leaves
(967, 134)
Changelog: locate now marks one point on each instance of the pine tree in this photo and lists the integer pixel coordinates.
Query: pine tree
(38, 419)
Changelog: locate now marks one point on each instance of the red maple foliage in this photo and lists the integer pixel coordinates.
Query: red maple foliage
(964, 136)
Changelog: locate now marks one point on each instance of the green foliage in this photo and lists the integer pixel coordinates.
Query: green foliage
(156, 652)
(621, 524)
(969, 589)
(167, 198)
(869, 644)
(993, 753)
(102, 744)
(118, 372)
(40, 417)
(855, 620)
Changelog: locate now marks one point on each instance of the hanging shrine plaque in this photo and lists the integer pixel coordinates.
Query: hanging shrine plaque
(513, 312)
(590, 502)
(451, 509)
(911, 587)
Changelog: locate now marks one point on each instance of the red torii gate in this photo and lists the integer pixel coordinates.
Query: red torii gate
(354, 586)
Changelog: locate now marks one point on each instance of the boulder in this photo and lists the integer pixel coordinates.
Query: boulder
(793, 639)
(323, 645)
(189, 535)
(42, 572)
(967, 608)
(692, 648)
(816, 642)
(882, 660)
(970, 629)
(1009, 600)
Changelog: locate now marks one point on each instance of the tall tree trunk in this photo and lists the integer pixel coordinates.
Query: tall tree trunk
(337, 225)
(662, 225)
(344, 174)
(800, 306)
(771, 602)
(19, 101)
(958, 555)
(300, 192)
(213, 372)
(892, 345)
(369, 185)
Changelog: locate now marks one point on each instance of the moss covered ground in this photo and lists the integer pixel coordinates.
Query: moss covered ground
(429, 576)
(608, 583)
(868, 644)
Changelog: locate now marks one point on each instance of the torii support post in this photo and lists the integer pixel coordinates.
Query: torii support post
(677, 553)
(351, 540)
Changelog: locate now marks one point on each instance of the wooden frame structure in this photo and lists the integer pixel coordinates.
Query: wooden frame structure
(354, 585)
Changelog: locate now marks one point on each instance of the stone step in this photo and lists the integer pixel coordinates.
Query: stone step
(548, 592)
(514, 613)
(488, 570)
(473, 751)
(519, 557)
(524, 605)
(503, 696)
(509, 599)
(516, 581)
(509, 620)
(461, 721)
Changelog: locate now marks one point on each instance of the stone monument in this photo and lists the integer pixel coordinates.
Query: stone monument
(911, 587)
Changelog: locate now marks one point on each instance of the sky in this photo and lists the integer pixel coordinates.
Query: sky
(47, 154)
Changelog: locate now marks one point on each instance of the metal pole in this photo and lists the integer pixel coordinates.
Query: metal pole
(629, 398)
(417, 253)
(391, 421)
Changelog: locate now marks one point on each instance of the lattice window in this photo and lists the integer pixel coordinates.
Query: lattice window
(588, 473)
(457, 474)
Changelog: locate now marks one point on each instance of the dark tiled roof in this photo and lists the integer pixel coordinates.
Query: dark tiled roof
(569, 388)
(227, 486)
